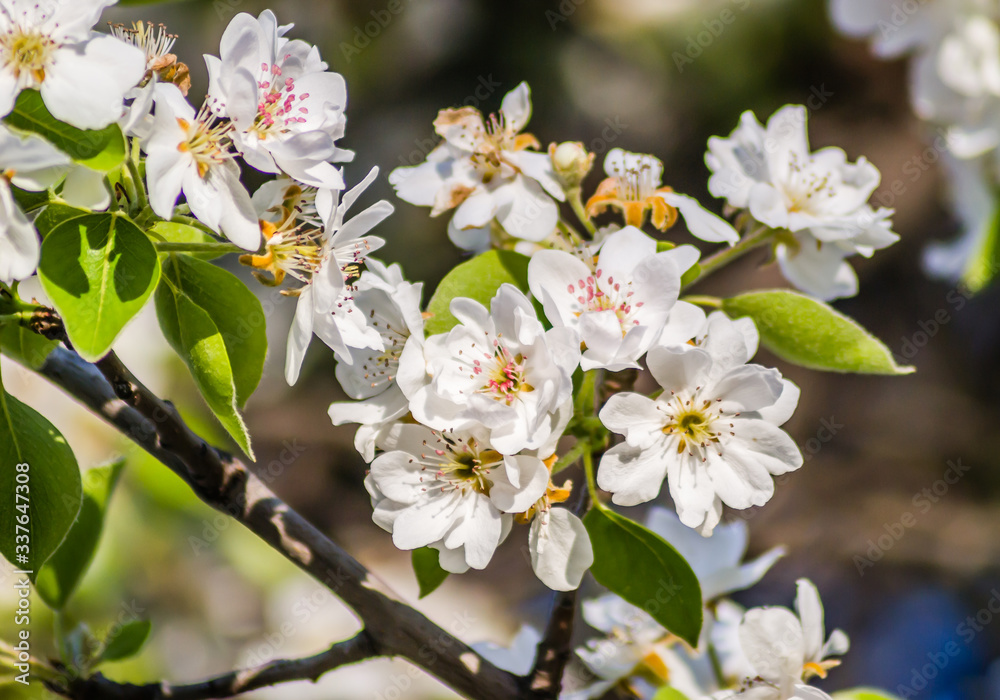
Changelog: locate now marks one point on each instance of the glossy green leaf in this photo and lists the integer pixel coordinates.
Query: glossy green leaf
(41, 500)
(25, 346)
(193, 319)
(669, 694)
(235, 311)
(55, 214)
(641, 567)
(125, 641)
(807, 332)
(864, 694)
(99, 270)
(479, 279)
(102, 149)
(61, 574)
(429, 573)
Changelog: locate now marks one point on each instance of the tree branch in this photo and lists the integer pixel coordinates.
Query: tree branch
(98, 687)
(222, 481)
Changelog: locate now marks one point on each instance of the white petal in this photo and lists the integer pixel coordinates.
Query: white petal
(702, 223)
(772, 641)
(560, 549)
(633, 475)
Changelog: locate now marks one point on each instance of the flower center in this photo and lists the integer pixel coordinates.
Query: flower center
(206, 140)
(692, 420)
(381, 368)
(505, 374)
(805, 187)
(460, 464)
(27, 53)
(598, 293)
(276, 110)
(637, 183)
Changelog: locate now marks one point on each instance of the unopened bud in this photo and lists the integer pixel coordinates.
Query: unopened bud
(571, 162)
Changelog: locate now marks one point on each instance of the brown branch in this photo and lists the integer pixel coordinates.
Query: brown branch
(222, 481)
(98, 687)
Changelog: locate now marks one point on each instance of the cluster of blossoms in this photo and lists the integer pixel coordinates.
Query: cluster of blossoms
(954, 48)
(467, 406)
(767, 653)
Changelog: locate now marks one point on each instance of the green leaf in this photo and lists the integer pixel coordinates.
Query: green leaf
(982, 266)
(641, 567)
(55, 214)
(203, 323)
(99, 271)
(864, 694)
(126, 641)
(61, 574)
(235, 311)
(808, 332)
(40, 514)
(479, 279)
(429, 573)
(25, 346)
(669, 694)
(102, 150)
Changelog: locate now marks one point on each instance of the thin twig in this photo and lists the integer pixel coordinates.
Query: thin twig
(98, 687)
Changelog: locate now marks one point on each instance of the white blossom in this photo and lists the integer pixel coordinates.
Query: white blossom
(484, 170)
(896, 28)
(189, 152)
(287, 110)
(819, 201)
(31, 163)
(328, 260)
(715, 560)
(618, 304)
(712, 433)
(451, 490)
(391, 306)
(497, 367)
(519, 657)
(786, 649)
(51, 47)
(634, 186)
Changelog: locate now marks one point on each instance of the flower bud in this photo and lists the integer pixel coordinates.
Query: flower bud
(571, 162)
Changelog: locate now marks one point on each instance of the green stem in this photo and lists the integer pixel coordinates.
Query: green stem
(193, 222)
(570, 457)
(141, 201)
(713, 657)
(728, 255)
(164, 247)
(575, 239)
(576, 202)
(584, 404)
(19, 318)
(588, 467)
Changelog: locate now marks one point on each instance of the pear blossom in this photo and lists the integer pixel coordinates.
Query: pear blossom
(51, 47)
(786, 649)
(287, 110)
(637, 652)
(484, 170)
(31, 163)
(498, 367)
(327, 260)
(558, 542)
(391, 306)
(451, 489)
(896, 29)
(818, 201)
(634, 187)
(620, 303)
(715, 560)
(712, 433)
(189, 152)
(519, 657)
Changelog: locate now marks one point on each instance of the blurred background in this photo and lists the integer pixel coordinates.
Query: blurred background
(906, 560)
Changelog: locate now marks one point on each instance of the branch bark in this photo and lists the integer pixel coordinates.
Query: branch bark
(222, 481)
(98, 687)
